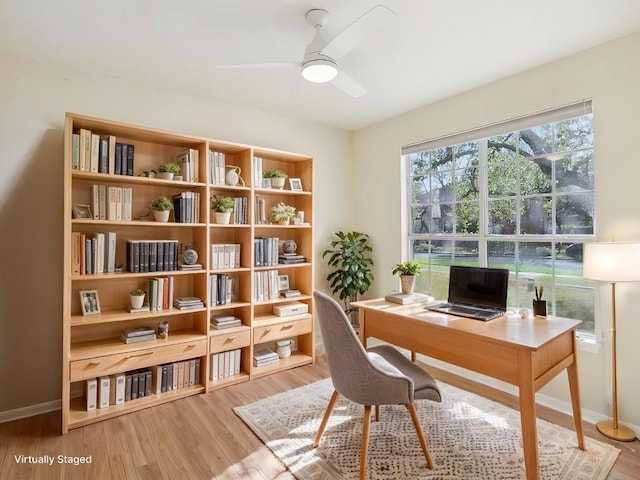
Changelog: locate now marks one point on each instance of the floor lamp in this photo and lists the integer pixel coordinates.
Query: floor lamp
(613, 262)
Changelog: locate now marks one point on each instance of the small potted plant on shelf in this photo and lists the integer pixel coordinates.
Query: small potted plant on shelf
(283, 213)
(223, 206)
(137, 298)
(408, 271)
(161, 207)
(276, 177)
(166, 171)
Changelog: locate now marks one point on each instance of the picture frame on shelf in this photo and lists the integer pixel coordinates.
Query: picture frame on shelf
(295, 184)
(283, 282)
(90, 302)
(82, 211)
(266, 183)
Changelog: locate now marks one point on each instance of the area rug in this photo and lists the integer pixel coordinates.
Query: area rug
(469, 437)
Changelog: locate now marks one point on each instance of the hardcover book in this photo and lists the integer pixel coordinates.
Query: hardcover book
(408, 298)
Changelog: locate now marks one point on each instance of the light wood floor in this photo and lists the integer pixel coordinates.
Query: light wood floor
(200, 438)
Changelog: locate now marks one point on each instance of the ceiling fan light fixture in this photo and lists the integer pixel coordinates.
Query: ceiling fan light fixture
(320, 70)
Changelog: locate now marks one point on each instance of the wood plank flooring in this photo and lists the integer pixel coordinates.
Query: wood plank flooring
(200, 438)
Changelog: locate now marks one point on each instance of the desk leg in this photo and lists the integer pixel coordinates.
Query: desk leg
(362, 317)
(527, 397)
(574, 389)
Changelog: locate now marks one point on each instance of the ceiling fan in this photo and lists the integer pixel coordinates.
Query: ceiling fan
(318, 64)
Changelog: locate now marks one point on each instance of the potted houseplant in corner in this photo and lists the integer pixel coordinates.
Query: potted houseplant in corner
(276, 177)
(408, 271)
(166, 171)
(350, 256)
(137, 298)
(282, 213)
(161, 207)
(222, 206)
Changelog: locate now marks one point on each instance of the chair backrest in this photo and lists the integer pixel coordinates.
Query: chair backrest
(352, 372)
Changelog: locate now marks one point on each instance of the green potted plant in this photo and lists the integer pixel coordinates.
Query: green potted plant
(282, 213)
(222, 206)
(408, 271)
(168, 170)
(276, 177)
(350, 257)
(137, 298)
(161, 207)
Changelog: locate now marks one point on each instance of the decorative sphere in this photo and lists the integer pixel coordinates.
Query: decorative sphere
(289, 246)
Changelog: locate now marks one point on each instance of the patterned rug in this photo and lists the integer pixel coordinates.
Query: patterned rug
(469, 437)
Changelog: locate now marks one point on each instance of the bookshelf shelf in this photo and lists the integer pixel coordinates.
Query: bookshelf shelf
(119, 204)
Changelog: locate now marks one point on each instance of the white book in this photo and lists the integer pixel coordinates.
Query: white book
(95, 201)
(192, 372)
(75, 153)
(116, 389)
(213, 374)
(176, 374)
(91, 393)
(103, 392)
(232, 363)
(237, 364)
(95, 152)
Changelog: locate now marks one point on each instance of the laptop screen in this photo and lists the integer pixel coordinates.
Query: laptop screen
(482, 287)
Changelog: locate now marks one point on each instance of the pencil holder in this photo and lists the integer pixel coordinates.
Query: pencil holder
(540, 308)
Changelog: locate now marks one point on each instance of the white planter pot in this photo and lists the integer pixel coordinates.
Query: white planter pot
(136, 301)
(408, 283)
(223, 218)
(283, 348)
(161, 215)
(277, 182)
(165, 175)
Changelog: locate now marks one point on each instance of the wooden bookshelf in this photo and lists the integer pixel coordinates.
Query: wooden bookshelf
(91, 343)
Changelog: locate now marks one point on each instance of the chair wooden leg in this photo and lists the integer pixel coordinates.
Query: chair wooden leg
(325, 419)
(366, 427)
(423, 442)
(377, 413)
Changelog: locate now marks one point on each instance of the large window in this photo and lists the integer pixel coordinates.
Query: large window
(519, 195)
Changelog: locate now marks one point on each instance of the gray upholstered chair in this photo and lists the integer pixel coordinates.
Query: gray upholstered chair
(378, 376)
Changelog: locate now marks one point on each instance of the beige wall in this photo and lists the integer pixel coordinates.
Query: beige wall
(608, 74)
(33, 102)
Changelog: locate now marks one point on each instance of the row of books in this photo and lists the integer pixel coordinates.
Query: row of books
(264, 356)
(123, 387)
(160, 293)
(257, 172)
(225, 255)
(265, 251)
(188, 161)
(111, 203)
(223, 288)
(240, 210)
(92, 152)
(93, 253)
(261, 210)
(152, 255)
(266, 285)
(220, 322)
(186, 207)
(225, 364)
(217, 173)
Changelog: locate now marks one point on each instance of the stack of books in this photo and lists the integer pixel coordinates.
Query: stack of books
(184, 303)
(264, 357)
(138, 334)
(287, 258)
(195, 266)
(290, 293)
(224, 321)
(408, 298)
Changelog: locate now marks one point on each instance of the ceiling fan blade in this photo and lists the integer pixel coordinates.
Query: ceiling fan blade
(246, 66)
(348, 85)
(351, 36)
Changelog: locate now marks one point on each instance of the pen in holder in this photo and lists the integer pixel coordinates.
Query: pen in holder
(539, 305)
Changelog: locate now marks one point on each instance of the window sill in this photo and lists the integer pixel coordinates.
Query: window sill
(588, 343)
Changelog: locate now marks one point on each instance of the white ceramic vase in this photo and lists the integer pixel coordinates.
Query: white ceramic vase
(223, 218)
(407, 283)
(161, 215)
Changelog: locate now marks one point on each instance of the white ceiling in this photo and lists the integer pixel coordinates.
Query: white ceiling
(429, 50)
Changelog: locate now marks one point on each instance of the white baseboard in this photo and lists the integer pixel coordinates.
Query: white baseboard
(30, 411)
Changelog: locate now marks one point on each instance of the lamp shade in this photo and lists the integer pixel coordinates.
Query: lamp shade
(319, 70)
(612, 261)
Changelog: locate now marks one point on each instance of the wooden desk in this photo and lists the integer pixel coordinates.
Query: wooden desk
(527, 353)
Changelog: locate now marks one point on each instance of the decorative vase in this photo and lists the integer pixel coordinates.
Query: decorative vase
(136, 301)
(161, 215)
(277, 182)
(223, 217)
(165, 175)
(408, 283)
(283, 348)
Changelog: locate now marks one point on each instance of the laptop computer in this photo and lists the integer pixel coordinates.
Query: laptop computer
(475, 292)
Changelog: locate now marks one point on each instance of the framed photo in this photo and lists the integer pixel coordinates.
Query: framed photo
(89, 302)
(295, 184)
(283, 282)
(266, 183)
(82, 211)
